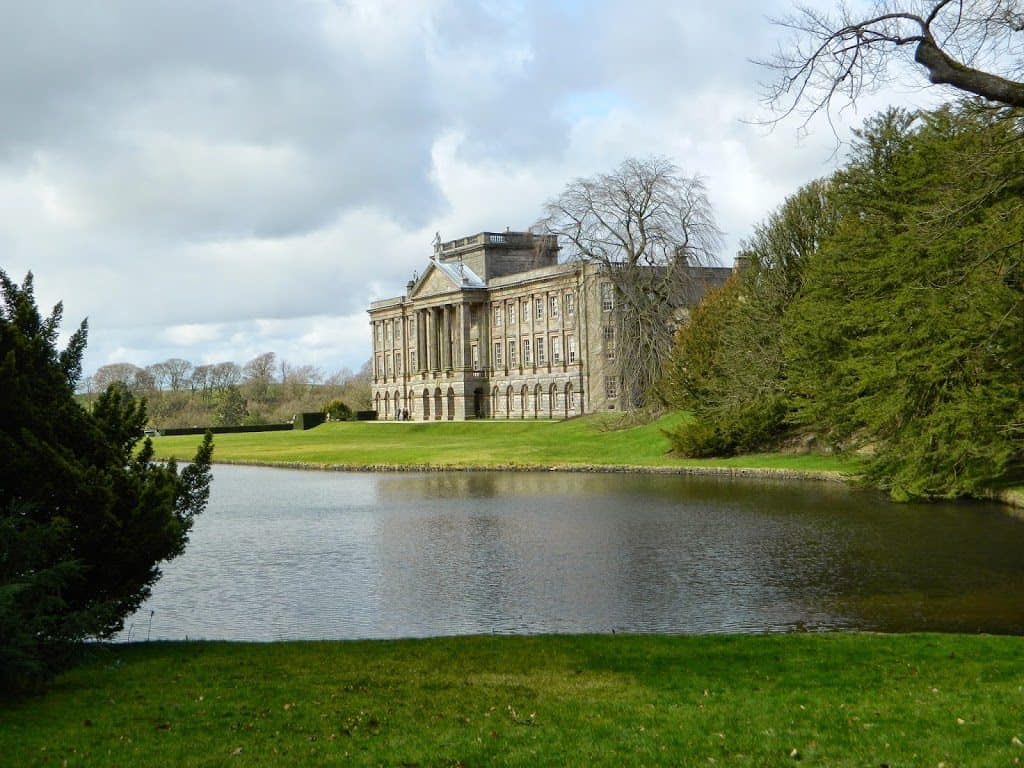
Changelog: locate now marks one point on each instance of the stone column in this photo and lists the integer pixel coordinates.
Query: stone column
(442, 335)
(428, 337)
(448, 362)
(435, 337)
(421, 340)
(463, 355)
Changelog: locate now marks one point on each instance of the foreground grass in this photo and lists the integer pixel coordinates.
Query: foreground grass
(589, 441)
(831, 700)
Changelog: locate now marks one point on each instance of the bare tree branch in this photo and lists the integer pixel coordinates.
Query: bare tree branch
(645, 225)
(974, 46)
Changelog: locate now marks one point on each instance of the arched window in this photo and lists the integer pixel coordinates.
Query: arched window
(451, 404)
(524, 401)
(426, 405)
(508, 402)
(387, 405)
(494, 403)
(553, 400)
(570, 400)
(437, 404)
(538, 401)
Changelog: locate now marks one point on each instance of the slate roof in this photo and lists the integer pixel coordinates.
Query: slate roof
(460, 274)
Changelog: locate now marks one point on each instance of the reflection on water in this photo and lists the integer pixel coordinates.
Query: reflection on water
(286, 554)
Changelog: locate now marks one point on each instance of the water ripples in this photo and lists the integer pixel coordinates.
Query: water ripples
(283, 554)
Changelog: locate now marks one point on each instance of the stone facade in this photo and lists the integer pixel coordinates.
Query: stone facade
(496, 328)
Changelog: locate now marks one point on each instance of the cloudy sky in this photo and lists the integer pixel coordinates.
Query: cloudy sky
(214, 180)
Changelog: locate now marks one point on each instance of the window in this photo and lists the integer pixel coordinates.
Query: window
(570, 303)
(377, 331)
(609, 342)
(512, 353)
(526, 351)
(497, 353)
(398, 363)
(570, 343)
(554, 305)
(607, 297)
(475, 355)
(412, 327)
(412, 360)
(397, 327)
(538, 309)
(556, 349)
(611, 387)
(540, 350)
(387, 364)
(511, 314)
(497, 315)
(524, 312)
(379, 366)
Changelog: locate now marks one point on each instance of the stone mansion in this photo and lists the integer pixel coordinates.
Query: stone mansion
(497, 328)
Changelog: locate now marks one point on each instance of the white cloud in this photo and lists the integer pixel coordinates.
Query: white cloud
(192, 334)
(217, 180)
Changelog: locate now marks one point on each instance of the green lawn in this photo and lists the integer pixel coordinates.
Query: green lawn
(590, 441)
(828, 700)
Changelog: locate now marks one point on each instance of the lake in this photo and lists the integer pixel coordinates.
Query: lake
(285, 554)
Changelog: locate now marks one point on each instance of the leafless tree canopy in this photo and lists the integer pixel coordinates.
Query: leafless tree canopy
(976, 47)
(644, 213)
(644, 224)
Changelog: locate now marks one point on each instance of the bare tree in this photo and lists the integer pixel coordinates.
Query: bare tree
(258, 374)
(297, 380)
(173, 373)
(159, 374)
(115, 373)
(644, 225)
(340, 377)
(974, 46)
(136, 379)
(226, 374)
(202, 380)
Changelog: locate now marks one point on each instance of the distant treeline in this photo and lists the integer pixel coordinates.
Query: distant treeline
(264, 390)
(881, 311)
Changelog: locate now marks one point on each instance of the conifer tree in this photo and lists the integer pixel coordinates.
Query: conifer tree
(86, 515)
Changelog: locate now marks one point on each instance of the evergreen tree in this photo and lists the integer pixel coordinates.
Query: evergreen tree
(728, 364)
(908, 338)
(87, 515)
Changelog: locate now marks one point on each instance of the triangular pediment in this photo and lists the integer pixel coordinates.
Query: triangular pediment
(433, 280)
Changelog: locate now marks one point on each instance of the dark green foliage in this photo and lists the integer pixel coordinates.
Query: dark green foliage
(701, 440)
(34, 571)
(227, 430)
(86, 514)
(908, 340)
(309, 420)
(881, 312)
(230, 407)
(336, 410)
(728, 365)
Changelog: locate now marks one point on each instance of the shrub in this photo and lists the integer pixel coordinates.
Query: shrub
(336, 410)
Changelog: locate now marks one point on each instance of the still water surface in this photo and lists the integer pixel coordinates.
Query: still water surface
(283, 554)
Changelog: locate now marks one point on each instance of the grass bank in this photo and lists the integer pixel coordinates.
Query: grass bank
(836, 700)
(576, 444)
